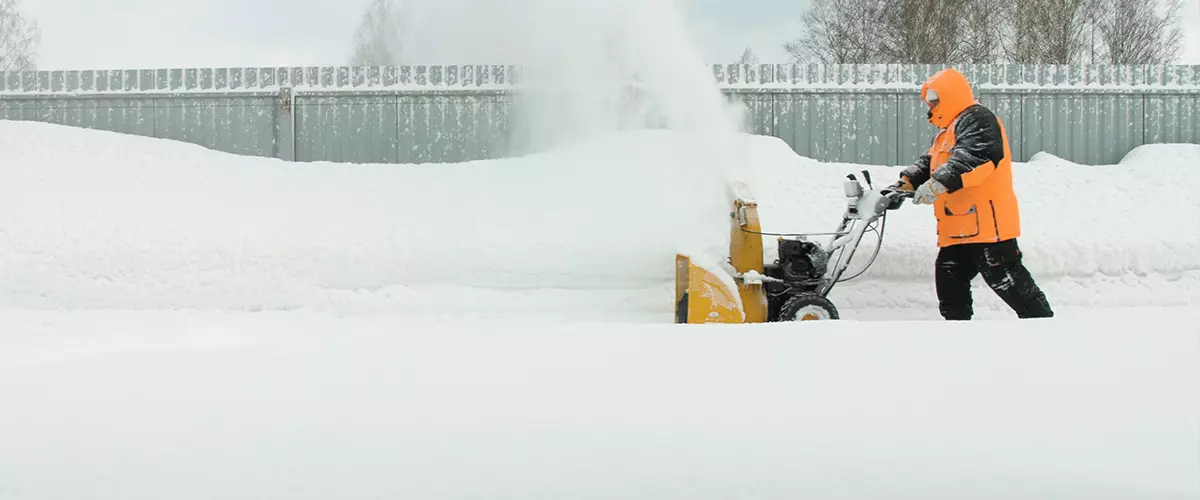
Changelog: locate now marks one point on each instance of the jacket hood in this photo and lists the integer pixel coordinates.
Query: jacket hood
(953, 93)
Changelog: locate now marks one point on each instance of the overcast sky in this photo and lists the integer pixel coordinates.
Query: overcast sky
(78, 34)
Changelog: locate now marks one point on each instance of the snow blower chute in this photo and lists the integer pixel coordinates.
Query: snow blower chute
(795, 287)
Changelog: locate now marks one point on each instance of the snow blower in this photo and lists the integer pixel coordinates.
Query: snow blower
(796, 286)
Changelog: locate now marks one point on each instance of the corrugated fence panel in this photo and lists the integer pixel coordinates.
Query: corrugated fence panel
(20, 109)
(406, 144)
(783, 107)
(1084, 128)
(873, 139)
(434, 111)
(840, 127)
(417, 114)
(839, 115)
(810, 126)
(251, 122)
(760, 115)
(183, 120)
(347, 129)
(416, 133)
(500, 127)
(243, 125)
(446, 128)
(240, 125)
(1173, 119)
(124, 115)
(442, 128)
(474, 116)
(313, 117)
(480, 128)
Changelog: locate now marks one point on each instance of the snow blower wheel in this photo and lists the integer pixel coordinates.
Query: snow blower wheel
(808, 307)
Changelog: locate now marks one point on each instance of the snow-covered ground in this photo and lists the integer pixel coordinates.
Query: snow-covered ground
(99, 220)
(181, 323)
(150, 405)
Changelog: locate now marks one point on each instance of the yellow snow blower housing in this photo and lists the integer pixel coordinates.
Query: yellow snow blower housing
(796, 285)
(702, 296)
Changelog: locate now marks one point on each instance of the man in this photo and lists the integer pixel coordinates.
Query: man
(970, 188)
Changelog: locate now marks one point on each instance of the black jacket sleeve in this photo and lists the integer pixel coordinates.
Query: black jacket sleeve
(918, 172)
(977, 151)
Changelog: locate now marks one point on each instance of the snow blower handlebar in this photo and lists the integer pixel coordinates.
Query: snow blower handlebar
(863, 208)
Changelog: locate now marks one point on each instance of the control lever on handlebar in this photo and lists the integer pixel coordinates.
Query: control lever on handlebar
(896, 196)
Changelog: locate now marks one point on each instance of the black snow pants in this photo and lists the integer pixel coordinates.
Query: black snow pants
(1001, 267)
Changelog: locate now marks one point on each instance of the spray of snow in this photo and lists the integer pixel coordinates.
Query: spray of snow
(592, 69)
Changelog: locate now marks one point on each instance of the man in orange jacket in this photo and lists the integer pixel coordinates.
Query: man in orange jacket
(967, 176)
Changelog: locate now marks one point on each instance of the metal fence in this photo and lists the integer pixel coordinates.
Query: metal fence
(418, 114)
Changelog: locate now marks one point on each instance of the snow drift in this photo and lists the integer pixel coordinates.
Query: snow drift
(100, 219)
(97, 219)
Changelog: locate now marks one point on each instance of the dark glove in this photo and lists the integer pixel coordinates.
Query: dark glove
(902, 185)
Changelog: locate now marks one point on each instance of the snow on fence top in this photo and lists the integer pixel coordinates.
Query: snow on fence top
(735, 77)
(984, 76)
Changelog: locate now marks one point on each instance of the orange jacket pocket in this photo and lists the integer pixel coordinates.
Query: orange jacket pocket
(963, 223)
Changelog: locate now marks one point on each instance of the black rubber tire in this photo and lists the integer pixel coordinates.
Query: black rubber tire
(802, 300)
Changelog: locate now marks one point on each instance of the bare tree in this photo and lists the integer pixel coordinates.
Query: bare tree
(1048, 31)
(748, 57)
(1140, 32)
(984, 24)
(987, 31)
(840, 32)
(1067, 27)
(19, 38)
(379, 40)
(902, 31)
(921, 31)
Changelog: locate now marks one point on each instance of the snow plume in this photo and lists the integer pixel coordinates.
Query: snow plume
(595, 68)
(591, 69)
(632, 67)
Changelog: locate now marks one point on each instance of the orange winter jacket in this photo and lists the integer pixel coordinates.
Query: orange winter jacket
(971, 158)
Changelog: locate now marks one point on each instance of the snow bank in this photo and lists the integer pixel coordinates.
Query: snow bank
(297, 405)
(101, 219)
(1156, 155)
(96, 219)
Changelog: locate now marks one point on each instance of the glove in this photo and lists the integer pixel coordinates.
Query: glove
(928, 192)
(902, 185)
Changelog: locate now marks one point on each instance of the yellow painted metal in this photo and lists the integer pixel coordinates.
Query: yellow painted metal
(703, 297)
(746, 255)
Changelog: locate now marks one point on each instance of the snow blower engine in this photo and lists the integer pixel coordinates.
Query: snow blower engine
(796, 286)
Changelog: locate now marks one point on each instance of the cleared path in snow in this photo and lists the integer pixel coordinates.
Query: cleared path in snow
(149, 405)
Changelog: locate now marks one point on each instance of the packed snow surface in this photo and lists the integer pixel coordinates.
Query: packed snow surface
(181, 323)
(303, 405)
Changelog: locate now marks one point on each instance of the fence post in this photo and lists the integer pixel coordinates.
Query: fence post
(285, 124)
